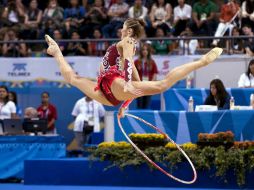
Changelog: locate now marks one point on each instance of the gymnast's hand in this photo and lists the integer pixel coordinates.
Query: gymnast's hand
(128, 87)
(121, 112)
(53, 48)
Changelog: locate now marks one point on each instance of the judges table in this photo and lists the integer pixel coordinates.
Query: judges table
(15, 149)
(184, 126)
(177, 99)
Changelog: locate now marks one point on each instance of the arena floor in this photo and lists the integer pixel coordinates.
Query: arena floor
(52, 187)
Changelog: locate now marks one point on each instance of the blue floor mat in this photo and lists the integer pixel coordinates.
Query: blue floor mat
(58, 187)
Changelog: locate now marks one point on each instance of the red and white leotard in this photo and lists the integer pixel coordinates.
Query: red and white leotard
(111, 70)
(111, 58)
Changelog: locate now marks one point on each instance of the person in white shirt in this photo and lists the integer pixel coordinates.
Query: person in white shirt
(187, 47)
(138, 10)
(182, 15)
(87, 113)
(247, 79)
(7, 108)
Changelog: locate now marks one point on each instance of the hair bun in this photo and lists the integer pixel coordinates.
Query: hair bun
(141, 22)
(137, 25)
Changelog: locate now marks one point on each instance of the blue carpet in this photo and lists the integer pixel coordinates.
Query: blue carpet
(58, 187)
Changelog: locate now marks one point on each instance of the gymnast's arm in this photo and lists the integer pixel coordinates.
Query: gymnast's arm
(128, 47)
(131, 72)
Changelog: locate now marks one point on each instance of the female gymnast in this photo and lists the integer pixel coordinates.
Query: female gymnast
(119, 80)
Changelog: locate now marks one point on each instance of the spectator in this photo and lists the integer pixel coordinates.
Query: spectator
(7, 107)
(161, 47)
(117, 14)
(147, 71)
(58, 36)
(94, 18)
(97, 48)
(218, 95)
(248, 13)
(149, 4)
(13, 13)
(74, 16)
(119, 33)
(30, 113)
(182, 16)
(160, 15)
(32, 21)
(76, 48)
(227, 15)
(187, 46)
(87, 113)
(13, 97)
(108, 3)
(20, 6)
(52, 18)
(246, 80)
(118, 36)
(138, 10)
(47, 111)
(248, 44)
(204, 15)
(13, 49)
(85, 3)
(235, 46)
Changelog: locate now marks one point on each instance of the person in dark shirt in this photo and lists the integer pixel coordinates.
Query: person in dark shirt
(76, 48)
(218, 95)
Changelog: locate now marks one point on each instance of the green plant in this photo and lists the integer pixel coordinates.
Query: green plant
(148, 140)
(233, 159)
(239, 158)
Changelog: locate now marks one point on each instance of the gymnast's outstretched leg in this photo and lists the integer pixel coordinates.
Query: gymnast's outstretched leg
(85, 85)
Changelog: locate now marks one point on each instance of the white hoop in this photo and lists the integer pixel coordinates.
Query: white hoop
(149, 160)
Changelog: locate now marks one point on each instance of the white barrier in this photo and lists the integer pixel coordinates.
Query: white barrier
(30, 69)
(228, 68)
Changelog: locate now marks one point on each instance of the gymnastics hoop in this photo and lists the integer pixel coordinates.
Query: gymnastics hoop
(148, 159)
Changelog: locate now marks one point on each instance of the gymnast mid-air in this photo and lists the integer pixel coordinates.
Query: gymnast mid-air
(119, 80)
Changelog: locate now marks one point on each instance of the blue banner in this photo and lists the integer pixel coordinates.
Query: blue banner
(177, 99)
(184, 126)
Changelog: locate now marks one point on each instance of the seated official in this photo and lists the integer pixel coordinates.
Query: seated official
(30, 113)
(218, 95)
(32, 124)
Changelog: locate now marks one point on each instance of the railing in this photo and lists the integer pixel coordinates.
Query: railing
(174, 39)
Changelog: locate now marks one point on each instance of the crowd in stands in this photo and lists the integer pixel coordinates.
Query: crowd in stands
(99, 19)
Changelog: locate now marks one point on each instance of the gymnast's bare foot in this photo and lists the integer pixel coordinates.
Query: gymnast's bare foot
(211, 55)
(53, 48)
